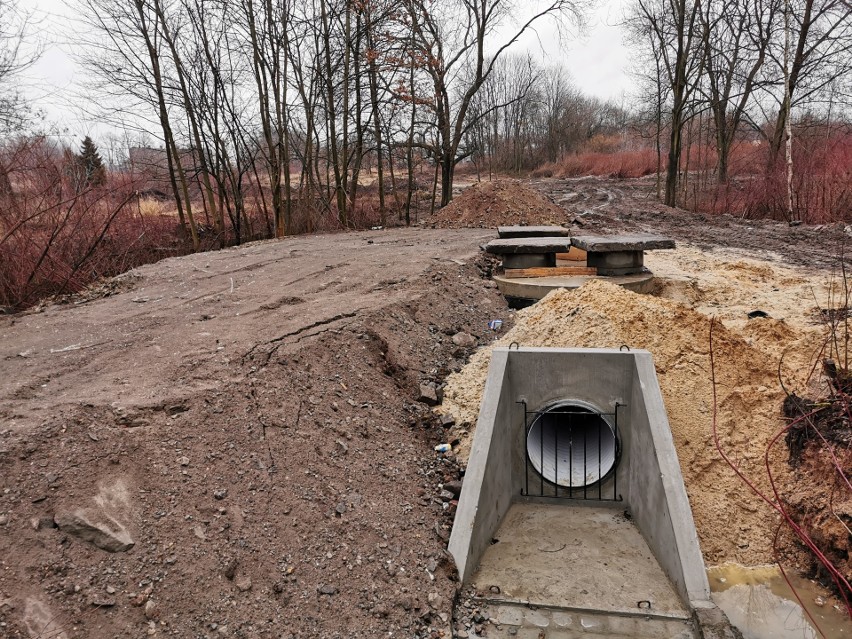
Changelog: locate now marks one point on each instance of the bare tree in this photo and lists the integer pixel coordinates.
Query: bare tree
(15, 25)
(821, 52)
(671, 25)
(736, 38)
(455, 39)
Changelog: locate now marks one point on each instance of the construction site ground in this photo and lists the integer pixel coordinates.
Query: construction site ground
(256, 421)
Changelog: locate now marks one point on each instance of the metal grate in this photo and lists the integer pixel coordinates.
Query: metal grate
(572, 452)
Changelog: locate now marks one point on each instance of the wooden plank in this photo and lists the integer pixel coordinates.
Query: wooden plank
(574, 255)
(550, 271)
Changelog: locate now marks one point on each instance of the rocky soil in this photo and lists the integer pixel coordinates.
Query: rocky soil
(241, 444)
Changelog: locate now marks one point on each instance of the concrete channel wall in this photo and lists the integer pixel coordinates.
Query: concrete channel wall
(648, 475)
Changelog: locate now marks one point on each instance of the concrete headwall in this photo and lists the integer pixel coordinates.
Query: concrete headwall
(648, 475)
(487, 490)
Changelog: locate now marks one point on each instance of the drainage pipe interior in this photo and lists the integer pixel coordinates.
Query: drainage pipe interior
(572, 445)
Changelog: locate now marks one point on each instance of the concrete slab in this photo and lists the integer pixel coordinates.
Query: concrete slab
(610, 243)
(527, 245)
(559, 624)
(576, 557)
(506, 232)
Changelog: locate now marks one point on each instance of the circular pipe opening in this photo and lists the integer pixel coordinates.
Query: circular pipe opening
(571, 444)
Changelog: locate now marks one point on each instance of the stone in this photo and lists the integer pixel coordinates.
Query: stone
(428, 395)
(96, 528)
(152, 610)
(198, 531)
(41, 523)
(561, 619)
(465, 340)
(455, 487)
(447, 421)
(526, 245)
(230, 569)
(327, 590)
(618, 243)
(4, 519)
(446, 495)
(184, 461)
(110, 590)
(103, 602)
(243, 583)
(506, 232)
(536, 618)
(220, 494)
(435, 600)
(340, 509)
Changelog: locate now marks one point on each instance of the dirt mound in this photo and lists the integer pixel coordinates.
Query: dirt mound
(499, 203)
(732, 524)
(270, 464)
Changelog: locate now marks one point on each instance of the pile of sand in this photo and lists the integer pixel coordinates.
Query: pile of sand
(503, 202)
(732, 523)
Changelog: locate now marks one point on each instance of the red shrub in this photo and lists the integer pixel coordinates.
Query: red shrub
(622, 164)
(57, 235)
(822, 181)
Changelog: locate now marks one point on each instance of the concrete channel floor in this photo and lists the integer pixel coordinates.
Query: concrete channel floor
(575, 557)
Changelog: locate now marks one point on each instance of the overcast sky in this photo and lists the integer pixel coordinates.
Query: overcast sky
(598, 61)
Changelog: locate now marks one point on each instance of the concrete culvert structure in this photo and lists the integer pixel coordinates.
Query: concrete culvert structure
(572, 444)
(573, 500)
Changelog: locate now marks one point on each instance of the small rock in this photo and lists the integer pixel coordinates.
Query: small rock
(4, 519)
(152, 610)
(446, 495)
(465, 340)
(110, 590)
(327, 590)
(340, 509)
(103, 602)
(344, 448)
(435, 600)
(42, 523)
(95, 527)
(243, 583)
(230, 569)
(184, 461)
(198, 531)
(220, 494)
(819, 601)
(448, 421)
(428, 395)
(454, 487)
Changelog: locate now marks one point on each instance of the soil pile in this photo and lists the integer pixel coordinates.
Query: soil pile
(259, 445)
(500, 203)
(732, 523)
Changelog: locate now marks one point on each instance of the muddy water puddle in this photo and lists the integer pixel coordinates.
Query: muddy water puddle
(759, 602)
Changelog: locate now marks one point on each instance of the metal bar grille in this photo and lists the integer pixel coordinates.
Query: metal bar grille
(573, 438)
